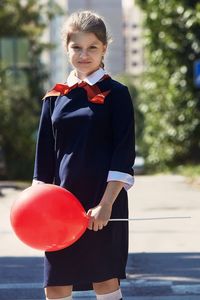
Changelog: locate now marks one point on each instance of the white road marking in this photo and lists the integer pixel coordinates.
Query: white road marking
(149, 283)
(20, 286)
(186, 289)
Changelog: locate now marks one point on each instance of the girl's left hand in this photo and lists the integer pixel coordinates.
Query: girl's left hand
(99, 216)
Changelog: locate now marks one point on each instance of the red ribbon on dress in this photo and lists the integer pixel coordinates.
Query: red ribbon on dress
(95, 95)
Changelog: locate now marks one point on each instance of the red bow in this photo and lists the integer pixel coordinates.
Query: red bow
(93, 92)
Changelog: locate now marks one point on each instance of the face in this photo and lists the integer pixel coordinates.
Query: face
(85, 52)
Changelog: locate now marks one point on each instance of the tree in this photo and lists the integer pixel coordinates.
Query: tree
(168, 98)
(19, 95)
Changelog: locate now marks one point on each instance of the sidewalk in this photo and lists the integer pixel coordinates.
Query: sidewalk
(159, 196)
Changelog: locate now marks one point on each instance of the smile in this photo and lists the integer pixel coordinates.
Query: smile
(84, 62)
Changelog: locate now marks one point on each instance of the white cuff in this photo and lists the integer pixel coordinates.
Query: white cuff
(35, 181)
(120, 176)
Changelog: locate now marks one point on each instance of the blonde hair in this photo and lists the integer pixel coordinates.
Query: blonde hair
(85, 21)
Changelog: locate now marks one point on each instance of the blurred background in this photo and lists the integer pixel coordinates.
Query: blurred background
(155, 52)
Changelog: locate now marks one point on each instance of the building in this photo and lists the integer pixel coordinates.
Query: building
(134, 56)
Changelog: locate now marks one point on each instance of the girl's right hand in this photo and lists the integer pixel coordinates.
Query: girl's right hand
(99, 216)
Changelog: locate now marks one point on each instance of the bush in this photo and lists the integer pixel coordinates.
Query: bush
(167, 96)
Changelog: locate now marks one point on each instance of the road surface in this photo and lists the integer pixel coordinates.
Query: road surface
(164, 255)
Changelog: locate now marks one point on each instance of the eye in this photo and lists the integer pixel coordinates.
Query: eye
(93, 47)
(76, 47)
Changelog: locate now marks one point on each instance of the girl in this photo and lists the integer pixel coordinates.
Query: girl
(86, 145)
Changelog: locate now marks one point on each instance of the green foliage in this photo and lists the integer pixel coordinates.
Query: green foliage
(21, 85)
(190, 171)
(168, 99)
(26, 17)
(18, 121)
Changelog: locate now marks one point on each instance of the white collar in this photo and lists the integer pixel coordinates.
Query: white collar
(91, 79)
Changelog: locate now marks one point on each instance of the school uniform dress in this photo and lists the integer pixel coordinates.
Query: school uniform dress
(85, 139)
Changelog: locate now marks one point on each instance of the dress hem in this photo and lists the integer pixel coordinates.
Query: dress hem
(84, 286)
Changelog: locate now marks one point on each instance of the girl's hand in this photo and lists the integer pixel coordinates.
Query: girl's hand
(99, 216)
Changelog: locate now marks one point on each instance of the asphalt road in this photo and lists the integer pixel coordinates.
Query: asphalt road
(164, 255)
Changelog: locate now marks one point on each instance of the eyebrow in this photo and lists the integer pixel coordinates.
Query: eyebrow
(92, 44)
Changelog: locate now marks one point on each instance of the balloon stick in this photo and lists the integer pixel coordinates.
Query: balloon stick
(150, 219)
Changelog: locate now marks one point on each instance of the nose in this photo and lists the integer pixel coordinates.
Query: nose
(83, 53)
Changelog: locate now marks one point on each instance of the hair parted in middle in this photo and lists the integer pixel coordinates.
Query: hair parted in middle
(85, 21)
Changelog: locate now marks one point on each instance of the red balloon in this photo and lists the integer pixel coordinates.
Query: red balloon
(48, 217)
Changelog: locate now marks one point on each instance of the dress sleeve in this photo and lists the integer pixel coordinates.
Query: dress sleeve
(123, 128)
(127, 179)
(44, 167)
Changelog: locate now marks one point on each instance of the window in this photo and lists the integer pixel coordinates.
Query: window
(14, 59)
(134, 38)
(134, 25)
(14, 51)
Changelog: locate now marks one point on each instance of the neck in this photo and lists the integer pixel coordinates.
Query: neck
(82, 76)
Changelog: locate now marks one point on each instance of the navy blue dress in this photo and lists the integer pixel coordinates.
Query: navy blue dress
(79, 142)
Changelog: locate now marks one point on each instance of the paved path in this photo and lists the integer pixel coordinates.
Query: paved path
(164, 256)
(164, 196)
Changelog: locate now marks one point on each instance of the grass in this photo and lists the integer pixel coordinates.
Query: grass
(191, 171)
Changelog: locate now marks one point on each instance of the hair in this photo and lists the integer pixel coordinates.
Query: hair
(85, 21)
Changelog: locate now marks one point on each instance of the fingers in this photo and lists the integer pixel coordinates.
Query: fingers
(105, 223)
(95, 221)
(95, 224)
(100, 227)
(91, 219)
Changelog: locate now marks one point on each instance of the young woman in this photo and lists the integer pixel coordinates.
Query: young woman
(86, 145)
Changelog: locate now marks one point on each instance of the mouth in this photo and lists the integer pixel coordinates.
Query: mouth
(84, 62)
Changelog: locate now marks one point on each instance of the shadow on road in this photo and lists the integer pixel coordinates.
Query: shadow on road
(149, 274)
(21, 278)
(179, 267)
(164, 273)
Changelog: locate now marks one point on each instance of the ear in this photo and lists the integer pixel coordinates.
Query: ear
(104, 48)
